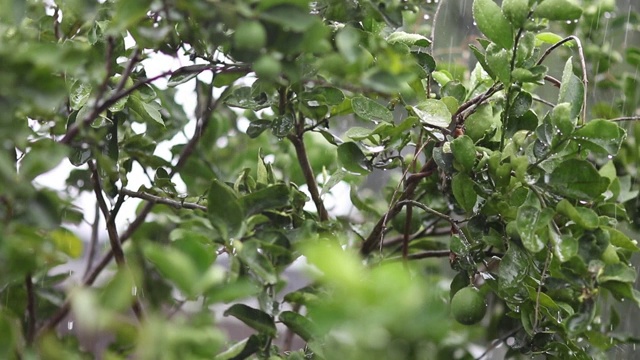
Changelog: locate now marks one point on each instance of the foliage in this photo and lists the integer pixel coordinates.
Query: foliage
(521, 188)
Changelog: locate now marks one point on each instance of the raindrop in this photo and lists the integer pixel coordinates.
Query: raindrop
(69, 325)
(134, 291)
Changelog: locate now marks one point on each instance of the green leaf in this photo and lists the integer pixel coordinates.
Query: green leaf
(353, 159)
(224, 210)
(270, 197)
(408, 39)
(527, 223)
(621, 240)
(256, 260)
(348, 43)
(67, 242)
(499, 60)
(289, 17)
(147, 112)
(432, 113)
(465, 195)
(600, 136)
(464, 152)
(617, 272)
(299, 324)
(186, 73)
(492, 23)
(571, 90)
(578, 179)
(173, 265)
(516, 11)
(564, 246)
(514, 268)
(622, 290)
(79, 94)
(551, 38)
(254, 318)
(558, 10)
(128, 13)
(582, 216)
(43, 156)
(370, 110)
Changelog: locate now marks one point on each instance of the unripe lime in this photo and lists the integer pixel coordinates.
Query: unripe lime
(610, 256)
(250, 35)
(468, 306)
(267, 67)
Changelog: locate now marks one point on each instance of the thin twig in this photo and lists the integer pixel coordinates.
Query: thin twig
(497, 342)
(114, 241)
(376, 235)
(422, 255)
(435, 22)
(625, 118)
(583, 64)
(536, 314)
(162, 200)
(31, 309)
(543, 101)
(93, 244)
(450, 220)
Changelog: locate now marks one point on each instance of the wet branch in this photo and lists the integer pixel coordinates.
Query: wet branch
(162, 200)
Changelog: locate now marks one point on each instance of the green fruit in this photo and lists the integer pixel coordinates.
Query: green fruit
(267, 67)
(610, 256)
(468, 306)
(250, 35)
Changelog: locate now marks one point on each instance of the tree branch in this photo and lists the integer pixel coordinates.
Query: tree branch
(31, 309)
(303, 160)
(114, 241)
(376, 235)
(161, 200)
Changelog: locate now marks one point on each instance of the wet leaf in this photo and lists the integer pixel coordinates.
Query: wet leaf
(558, 10)
(464, 152)
(492, 23)
(432, 113)
(186, 73)
(600, 136)
(571, 90)
(578, 179)
(370, 110)
(465, 195)
(408, 39)
(299, 324)
(353, 159)
(254, 318)
(516, 11)
(224, 209)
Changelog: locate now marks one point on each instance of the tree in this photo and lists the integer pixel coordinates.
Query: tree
(499, 192)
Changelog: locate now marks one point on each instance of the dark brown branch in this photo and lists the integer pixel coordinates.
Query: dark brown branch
(424, 255)
(31, 309)
(161, 200)
(114, 240)
(626, 118)
(376, 235)
(93, 244)
(303, 160)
